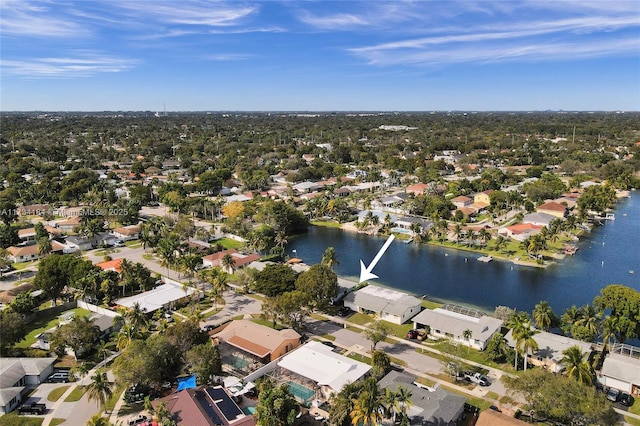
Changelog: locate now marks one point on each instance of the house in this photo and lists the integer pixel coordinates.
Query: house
(520, 231)
(239, 260)
(389, 305)
(428, 406)
(18, 376)
(126, 233)
(254, 343)
(69, 225)
(75, 243)
(343, 191)
(315, 367)
(553, 208)
(204, 406)
(382, 216)
(537, 218)
(27, 235)
(417, 189)
(110, 265)
(104, 321)
(165, 296)
(452, 321)
(407, 222)
(483, 197)
(621, 369)
(550, 347)
(305, 187)
(19, 254)
(462, 201)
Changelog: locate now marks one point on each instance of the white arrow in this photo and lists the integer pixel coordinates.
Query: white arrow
(365, 272)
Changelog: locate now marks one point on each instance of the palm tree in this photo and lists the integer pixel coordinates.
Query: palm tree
(609, 326)
(100, 389)
(499, 243)
(228, 263)
(526, 342)
(367, 408)
(44, 246)
(569, 318)
(589, 319)
(98, 420)
(517, 323)
(543, 315)
(330, 258)
(576, 365)
(467, 336)
(403, 399)
(102, 350)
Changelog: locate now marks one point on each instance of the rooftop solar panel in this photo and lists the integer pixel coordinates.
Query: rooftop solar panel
(206, 406)
(225, 404)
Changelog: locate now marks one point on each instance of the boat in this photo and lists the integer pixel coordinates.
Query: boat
(485, 259)
(409, 241)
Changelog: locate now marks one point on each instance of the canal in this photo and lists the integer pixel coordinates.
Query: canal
(610, 254)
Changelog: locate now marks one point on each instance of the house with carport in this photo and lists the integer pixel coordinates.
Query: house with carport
(389, 305)
(621, 369)
(550, 347)
(18, 376)
(451, 321)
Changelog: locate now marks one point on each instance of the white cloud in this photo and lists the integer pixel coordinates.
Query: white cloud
(214, 14)
(24, 18)
(340, 21)
(83, 65)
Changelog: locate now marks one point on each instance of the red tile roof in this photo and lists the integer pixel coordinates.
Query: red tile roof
(111, 265)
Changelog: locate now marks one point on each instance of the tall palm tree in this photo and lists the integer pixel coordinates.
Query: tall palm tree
(526, 342)
(589, 319)
(569, 318)
(100, 389)
(543, 315)
(517, 322)
(98, 420)
(576, 365)
(228, 263)
(44, 246)
(403, 399)
(330, 258)
(609, 327)
(467, 334)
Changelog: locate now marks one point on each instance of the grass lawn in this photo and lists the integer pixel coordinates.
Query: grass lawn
(632, 421)
(133, 243)
(76, 394)
(267, 323)
(14, 419)
(147, 256)
(115, 396)
(361, 358)
(428, 304)
(45, 323)
(481, 403)
(23, 265)
(326, 223)
(399, 330)
(55, 394)
(330, 337)
(635, 408)
(360, 318)
(228, 243)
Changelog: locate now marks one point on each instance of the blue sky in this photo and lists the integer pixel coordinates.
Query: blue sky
(319, 55)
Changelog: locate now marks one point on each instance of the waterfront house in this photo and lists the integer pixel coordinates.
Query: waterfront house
(553, 208)
(621, 369)
(18, 376)
(389, 305)
(244, 343)
(429, 406)
(537, 218)
(451, 321)
(520, 231)
(550, 347)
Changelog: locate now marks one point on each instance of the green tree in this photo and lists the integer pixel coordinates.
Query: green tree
(380, 363)
(276, 406)
(376, 333)
(275, 279)
(576, 365)
(24, 303)
(624, 304)
(561, 399)
(204, 362)
(290, 308)
(320, 283)
(368, 408)
(525, 341)
(98, 420)
(100, 389)
(13, 328)
(79, 335)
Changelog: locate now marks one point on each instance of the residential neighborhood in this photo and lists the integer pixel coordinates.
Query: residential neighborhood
(155, 283)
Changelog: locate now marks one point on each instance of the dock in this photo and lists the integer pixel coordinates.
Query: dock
(485, 259)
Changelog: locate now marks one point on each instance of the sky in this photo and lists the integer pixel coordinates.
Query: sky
(293, 55)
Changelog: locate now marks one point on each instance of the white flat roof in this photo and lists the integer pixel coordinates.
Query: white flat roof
(319, 363)
(155, 299)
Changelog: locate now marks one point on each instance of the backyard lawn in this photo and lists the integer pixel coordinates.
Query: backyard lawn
(45, 323)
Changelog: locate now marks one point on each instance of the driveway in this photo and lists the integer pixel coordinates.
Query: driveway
(235, 304)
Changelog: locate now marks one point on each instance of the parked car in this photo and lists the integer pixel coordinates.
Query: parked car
(412, 334)
(59, 377)
(613, 394)
(422, 334)
(33, 408)
(477, 378)
(118, 243)
(328, 343)
(208, 327)
(137, 420)
(626, 399)
(344, 311)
